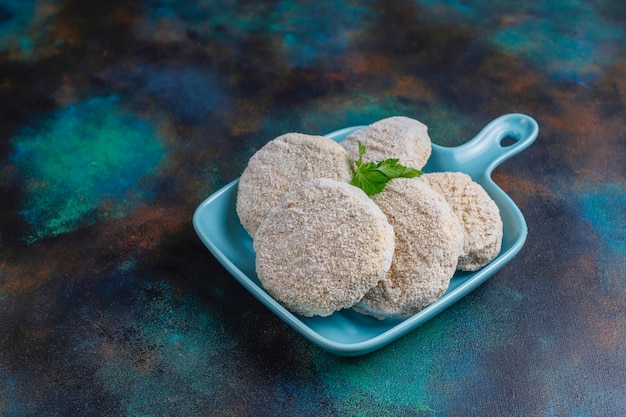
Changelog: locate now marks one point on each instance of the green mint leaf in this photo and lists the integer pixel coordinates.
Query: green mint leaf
(395, 170)
(371, 182)
(372, 177)
(390, 168)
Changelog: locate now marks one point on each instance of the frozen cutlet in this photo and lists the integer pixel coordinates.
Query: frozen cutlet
(429, 239)
(283, 165)
(323, 248)
(394, 137)
(478, 214)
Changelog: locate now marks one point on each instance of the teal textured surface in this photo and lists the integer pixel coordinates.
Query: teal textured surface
(346, 332)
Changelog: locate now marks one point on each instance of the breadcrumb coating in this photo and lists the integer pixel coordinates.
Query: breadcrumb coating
(283, 165)
(478, 213)
(323, 248)
(323, 245)
(429, 239)
(394, 137)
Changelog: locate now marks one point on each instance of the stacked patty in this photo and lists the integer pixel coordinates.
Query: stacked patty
(394, 137)
(478, 213)
(429, 239)
(283, 165)
(323, 245)
(323, 248)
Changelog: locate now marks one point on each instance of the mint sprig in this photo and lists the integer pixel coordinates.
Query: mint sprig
(372, 177)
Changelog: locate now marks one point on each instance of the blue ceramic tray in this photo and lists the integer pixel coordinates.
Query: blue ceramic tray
(349, 333)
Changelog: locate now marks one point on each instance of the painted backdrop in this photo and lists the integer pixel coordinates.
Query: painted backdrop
(117, 118)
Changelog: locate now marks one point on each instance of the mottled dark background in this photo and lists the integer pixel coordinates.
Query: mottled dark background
(118, 118)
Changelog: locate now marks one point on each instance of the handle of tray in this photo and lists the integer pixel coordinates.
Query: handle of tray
(501, 139)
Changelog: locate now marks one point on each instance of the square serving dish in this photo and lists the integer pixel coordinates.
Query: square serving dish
(347, 332)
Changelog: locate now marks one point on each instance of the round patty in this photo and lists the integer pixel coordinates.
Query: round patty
(394, 137)
(283, 165)
(478, 213)
(428, 242)
(323, 248)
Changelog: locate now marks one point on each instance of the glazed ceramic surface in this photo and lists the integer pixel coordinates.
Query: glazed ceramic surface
(349, 333)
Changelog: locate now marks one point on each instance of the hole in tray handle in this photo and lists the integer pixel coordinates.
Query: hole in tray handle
(508, 141)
